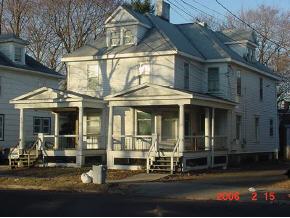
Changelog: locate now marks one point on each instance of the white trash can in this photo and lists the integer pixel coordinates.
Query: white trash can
(99, 174)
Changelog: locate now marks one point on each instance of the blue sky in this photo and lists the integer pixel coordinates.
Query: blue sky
(233, 5)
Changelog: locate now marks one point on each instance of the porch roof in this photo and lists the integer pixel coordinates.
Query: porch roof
(48, 98)
(152, 94)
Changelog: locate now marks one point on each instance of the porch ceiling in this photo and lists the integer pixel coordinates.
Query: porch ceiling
(48, 98)
(151, 94)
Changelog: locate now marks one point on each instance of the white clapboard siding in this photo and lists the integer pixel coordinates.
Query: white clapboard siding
(13, 84)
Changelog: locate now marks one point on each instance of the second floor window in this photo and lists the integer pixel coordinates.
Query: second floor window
(41, 125)
(213, 79)
(1, 127)
(18, 54)
(186, 75)
(115, 38)
(261, 89)
(94, 79)
(239, 83)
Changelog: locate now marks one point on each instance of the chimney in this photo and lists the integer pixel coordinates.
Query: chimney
(163, 10)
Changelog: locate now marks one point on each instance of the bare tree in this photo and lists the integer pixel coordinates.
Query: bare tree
(15, 14)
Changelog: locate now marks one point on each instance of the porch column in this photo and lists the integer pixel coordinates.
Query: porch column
(110, 129)
(212, 136)
(56, 131)
(21, 130)
(181, 127)
(207, 129)
(80, 158)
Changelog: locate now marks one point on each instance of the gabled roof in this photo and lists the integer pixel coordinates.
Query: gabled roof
(54, 98)
(138, 17)
(149, 91)
(191, 39)
(30, 64)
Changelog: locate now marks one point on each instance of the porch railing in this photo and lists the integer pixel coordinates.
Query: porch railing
(203, 143)
(132, 143)
(70, 142)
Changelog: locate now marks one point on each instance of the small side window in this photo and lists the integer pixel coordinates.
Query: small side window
(239, 83)
(41, 125)
(186, 75)
(115, 38)
(1, 127)
(18, 54)
(271, 127)
(261, 89)
(213, 79)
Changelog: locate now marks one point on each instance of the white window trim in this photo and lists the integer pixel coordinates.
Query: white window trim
(124, 37)
(16, 55)
(136, 123)
(98, 76)
(111, 38)
(41, 124)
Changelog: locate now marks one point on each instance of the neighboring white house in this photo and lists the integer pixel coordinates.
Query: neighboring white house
(19, 74)
(163, 96)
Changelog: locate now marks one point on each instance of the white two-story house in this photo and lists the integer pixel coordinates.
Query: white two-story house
(162, 96)
(19, 74)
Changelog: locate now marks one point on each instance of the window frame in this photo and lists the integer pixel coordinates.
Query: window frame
(271, 127)
(41, 125)
(217, 80)
(2, 116)
(143, 119)
(16, 55)
(238, 132)
(261, 88)
(126, 37)
(257, 129)
(96, 76)
(186, 72)
(112, 37)
(239, 83)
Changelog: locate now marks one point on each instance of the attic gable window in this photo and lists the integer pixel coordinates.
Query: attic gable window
(128, 37)
(115, 38)
(18, 54)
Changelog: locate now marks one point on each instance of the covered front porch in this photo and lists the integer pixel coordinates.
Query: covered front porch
(150, 122)
(76, 138)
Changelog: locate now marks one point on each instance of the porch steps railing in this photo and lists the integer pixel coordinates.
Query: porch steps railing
(28, 157)
(163, 158)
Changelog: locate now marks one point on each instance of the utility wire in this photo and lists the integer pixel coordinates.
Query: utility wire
(244, 22)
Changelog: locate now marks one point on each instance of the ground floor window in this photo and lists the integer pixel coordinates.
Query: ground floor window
(271, 130)
(238, 127)
(257, 129)
(1, 127)
(41, 125)
(144, 123)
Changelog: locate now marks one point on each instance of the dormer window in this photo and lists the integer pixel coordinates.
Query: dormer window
(18, 54)
(128, 37)
(115, 38)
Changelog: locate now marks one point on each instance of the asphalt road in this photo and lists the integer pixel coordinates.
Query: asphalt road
(40, 203)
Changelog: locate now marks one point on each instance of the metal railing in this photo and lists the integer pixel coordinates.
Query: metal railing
(132, 143)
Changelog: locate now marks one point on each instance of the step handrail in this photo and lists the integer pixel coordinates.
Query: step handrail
(172, 155)
(153, 145)
(11, 151)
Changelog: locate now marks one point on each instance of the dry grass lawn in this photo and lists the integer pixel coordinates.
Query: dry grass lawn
(65, 179)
